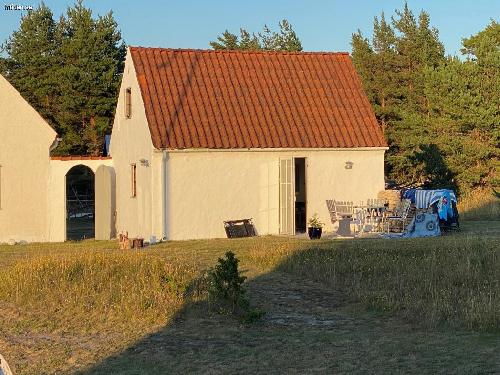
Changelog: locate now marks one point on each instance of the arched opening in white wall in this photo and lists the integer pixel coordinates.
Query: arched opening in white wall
(80, 203)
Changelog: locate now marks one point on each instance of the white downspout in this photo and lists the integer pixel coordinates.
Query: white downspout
(164, 195)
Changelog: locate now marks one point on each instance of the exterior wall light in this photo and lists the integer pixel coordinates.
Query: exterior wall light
(348, 165)
(144, 162)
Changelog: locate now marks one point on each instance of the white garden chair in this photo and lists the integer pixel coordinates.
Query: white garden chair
(400, 215)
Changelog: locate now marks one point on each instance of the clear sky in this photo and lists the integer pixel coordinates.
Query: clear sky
(320, 24)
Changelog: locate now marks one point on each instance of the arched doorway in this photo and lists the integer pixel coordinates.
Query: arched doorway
(80, 203)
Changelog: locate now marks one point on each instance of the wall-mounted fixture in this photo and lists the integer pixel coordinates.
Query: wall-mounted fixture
(348, 165)
(144, 162)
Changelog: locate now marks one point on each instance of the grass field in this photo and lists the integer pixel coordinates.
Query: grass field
(482, 204)
(344, 306)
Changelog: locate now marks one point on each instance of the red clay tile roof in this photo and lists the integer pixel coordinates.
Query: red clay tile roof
(242, 99)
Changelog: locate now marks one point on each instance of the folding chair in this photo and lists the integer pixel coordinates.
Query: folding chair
(400, 215)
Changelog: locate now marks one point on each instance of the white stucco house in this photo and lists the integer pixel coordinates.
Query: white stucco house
(201, 137)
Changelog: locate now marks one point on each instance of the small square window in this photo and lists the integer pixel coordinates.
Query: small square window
(128, 103)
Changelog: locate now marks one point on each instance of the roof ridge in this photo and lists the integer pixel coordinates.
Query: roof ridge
(241, 51)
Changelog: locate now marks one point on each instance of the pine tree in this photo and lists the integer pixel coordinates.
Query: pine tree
(226, 41)
(69, 71)
(464, 97)
(391, 68)
(32, 59)
(93, 61)
(284, 40)
(248, 42)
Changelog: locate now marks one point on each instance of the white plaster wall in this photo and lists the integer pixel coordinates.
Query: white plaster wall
(131, 142)
(57, 193)
(25, 140)
(207, 187)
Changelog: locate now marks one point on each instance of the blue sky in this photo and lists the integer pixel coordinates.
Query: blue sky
(321, 25)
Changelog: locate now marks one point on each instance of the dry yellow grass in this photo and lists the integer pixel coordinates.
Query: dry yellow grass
(121, 289)
(479, 205)
(109, 299)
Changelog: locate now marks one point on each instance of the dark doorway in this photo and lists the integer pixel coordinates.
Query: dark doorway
(300, 195)
(80, 203)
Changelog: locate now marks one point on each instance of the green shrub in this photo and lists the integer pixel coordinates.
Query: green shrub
(226, 284)
(226, 291)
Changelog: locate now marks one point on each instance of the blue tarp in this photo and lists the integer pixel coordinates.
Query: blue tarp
(422, 225)
(425, 198)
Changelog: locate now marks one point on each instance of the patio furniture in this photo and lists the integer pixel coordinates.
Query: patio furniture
(345, 211)
(359, 219)
(375, 214)
(399, 217)
(330, 204)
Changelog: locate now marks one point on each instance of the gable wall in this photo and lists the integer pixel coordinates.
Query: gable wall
(25, 140)
(131, 142)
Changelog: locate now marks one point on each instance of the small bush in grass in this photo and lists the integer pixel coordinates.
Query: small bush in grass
(226, 283)
(226, 289)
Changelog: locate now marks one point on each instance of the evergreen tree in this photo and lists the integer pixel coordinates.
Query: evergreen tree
(284, 40)
(227, 41)
(93, 61)
(464, 97)
(484, 46)
(32, 60)
(441, 115)
(387, 88)
(69, 71)
(248, 42)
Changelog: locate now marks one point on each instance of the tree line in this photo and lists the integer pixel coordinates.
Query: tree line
(69, 70)
(440, 114)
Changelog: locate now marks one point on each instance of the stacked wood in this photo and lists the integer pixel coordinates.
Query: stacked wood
(390, 196)
(123, 241)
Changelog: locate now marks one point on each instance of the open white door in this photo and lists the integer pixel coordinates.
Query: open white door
(287, 196)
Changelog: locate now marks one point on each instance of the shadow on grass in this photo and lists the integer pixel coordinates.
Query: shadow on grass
(308, 327)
